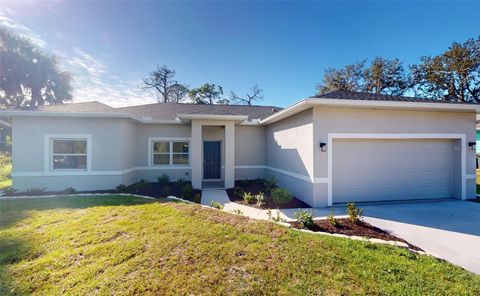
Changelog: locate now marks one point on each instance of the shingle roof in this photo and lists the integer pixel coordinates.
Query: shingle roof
(351, 95)
(166, 111)
(93, 106)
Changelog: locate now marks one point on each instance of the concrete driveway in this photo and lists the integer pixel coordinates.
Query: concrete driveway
(447, 229)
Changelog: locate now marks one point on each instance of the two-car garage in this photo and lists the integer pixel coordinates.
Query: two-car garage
(390, 169)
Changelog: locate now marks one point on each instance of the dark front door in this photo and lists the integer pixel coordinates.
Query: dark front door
(211, 160)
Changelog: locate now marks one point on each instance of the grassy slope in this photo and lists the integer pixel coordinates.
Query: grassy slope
(73, 245)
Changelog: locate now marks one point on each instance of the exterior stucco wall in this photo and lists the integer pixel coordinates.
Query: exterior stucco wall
(348, 120)
(250, 152)
(289, 153)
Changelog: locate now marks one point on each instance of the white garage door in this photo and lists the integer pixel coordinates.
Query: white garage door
(386, 170)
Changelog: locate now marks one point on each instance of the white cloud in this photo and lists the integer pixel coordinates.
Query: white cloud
(92, 80)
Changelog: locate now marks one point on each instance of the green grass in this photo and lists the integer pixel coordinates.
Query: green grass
(127, 245)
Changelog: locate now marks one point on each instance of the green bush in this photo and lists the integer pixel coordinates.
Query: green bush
(260, 198)
(270, 184)
(216, 205)
(181, 182)
(36, 191)
(10, 191)
(354, 213)
(305, 218)
(142, 185)
(197, 198)
(163, 179)
(281, 196)
(69, 190)
(238, 191)
(331, 218)
(187, 191)
(248, 197)
(121, 188)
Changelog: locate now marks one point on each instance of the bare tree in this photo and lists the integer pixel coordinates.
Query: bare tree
(161, 81)
(255, 95)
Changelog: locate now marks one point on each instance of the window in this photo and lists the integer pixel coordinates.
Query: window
(170, 152)
(69, 154)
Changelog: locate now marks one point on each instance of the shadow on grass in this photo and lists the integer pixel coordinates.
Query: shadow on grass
(13, 210)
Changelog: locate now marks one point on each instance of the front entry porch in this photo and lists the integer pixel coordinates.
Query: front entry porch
(213, 152)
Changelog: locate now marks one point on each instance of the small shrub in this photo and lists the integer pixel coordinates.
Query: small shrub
(69, 190)
(181, 182)
(331, 218)
(163, 179)
(270, 184)
(305, 218)
(260, 198)
(140, 186)
(10, 191)
(187, 191)
(238, 191)
(248, 197)
(243, 183)
(166, 191)
(354, 213)
(197, 198)
(276, 218)
(281, 196)
(216, 205)
(36, 191)
(121, 188)
(237, 211)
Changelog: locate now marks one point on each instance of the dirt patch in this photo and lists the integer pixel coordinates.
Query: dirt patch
(256, 186)
(360, 228)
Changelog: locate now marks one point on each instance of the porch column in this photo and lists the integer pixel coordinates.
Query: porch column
(196, 154)
(229, 155)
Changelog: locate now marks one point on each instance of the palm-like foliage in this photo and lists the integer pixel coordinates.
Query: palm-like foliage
(28, 76)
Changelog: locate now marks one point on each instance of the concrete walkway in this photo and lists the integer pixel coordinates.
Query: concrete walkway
(447, 229)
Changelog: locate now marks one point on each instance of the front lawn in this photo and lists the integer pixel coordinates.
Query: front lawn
(128, 245)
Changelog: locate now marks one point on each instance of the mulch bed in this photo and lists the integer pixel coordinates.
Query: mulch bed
(153, 189)
(360, 228)
(256, 186)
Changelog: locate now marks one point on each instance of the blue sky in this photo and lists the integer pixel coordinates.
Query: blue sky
(284, 47)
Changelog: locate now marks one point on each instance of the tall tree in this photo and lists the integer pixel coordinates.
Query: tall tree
(160, 80)
(178, 92)
(29, 76)
(255, 95)
(385, 77)
(349, 78)
(452, 76)
(206, 94)
(382, 76)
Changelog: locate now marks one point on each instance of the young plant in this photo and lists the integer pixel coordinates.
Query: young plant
(248, 198)
(260, 198)
(181, 182)
(270, 184)
(238, 191)
(331, 218)
(237, 211)
(276, 218)
(197, 198)
(281, 196)
(121, 188)
(36, 191)
(163, 179)
(305, 218)
(354, 213)
(69, 190)
(216, 205)
(187, 191)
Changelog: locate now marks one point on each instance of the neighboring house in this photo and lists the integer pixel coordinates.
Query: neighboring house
(333, 148)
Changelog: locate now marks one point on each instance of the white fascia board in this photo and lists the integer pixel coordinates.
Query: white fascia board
(212, 117)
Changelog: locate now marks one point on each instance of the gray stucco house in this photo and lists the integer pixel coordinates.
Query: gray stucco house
(332, 148)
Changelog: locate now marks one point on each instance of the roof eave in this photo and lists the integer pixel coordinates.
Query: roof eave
(311, 102)
(189, 117)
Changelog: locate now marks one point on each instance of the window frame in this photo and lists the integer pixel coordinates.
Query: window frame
(170, 141)
(49, 155)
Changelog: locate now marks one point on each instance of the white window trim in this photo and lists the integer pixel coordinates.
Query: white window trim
(48, 151)
(151, 140)
(332, 136)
